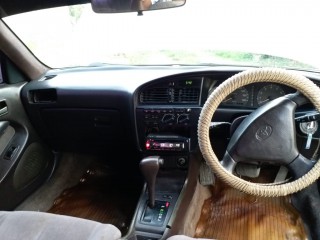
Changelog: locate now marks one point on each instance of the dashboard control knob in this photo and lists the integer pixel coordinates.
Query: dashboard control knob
(168, 118)
(181, 162)
(183, 118)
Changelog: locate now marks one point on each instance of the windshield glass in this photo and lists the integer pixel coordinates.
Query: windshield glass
(277, 33)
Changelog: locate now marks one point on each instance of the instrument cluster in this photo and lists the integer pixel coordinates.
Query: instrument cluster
(254, 95)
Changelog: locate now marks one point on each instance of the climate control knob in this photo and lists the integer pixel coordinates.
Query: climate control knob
(183, 118)
(168, 118)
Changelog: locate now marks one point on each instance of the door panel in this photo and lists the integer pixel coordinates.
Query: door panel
(25, 162)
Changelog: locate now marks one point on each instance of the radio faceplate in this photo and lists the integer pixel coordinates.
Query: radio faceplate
(155, 142)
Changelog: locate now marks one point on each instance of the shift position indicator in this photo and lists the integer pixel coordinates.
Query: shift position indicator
(157, 214)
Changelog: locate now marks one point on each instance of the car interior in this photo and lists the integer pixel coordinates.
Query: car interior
(159, 151)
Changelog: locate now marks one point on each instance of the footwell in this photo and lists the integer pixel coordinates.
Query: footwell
(230, 214)
(102, 195)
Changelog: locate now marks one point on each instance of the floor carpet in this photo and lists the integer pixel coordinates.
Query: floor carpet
(69, 170)
(230, 214)
(102, 195)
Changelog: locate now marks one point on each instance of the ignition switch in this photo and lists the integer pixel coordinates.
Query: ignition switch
(309, 128)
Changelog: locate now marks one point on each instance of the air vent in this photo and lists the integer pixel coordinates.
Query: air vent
(186, 95)
(155, 95)
(48, 77)
(170, 95)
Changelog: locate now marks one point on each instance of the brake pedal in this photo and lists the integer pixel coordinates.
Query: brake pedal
(206, 176)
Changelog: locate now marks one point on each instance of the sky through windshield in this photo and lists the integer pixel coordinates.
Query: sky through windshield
(187, 35)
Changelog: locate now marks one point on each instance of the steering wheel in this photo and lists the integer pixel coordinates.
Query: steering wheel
(267, 135)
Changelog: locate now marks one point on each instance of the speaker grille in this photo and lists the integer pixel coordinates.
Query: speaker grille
(33, 162)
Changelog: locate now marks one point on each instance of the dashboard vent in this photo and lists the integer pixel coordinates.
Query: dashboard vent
(48, 77)
(186, 95)
(170, 95)
(155, 95)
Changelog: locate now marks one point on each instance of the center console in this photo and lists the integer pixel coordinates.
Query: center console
(166, 114)
(166, 137)
(169, 135)
(161, 129)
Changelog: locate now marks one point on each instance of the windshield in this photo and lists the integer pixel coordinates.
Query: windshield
(277, 33)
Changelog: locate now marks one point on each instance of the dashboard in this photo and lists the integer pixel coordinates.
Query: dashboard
(102, 108)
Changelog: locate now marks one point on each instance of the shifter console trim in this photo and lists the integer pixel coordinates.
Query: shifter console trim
(143, 223)
(156, 215)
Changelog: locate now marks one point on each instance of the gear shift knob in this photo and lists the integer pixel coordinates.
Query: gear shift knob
(149, 167)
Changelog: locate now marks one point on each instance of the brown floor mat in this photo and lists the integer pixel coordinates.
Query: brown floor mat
(101, 195)
(233, 215)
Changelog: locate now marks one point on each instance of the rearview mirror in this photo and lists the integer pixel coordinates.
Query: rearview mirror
(116, 6)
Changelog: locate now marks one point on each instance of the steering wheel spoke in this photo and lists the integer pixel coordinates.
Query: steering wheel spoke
(300, 166)
(228, 163)
(298, 98)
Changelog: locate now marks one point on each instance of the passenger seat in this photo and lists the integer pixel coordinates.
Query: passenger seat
(46, 226)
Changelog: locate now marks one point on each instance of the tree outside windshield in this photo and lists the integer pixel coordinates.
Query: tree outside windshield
(247, 32)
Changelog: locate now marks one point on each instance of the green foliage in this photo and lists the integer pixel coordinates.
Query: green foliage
(178, 55)
(235, 56)
(260, 60)
(210, 57)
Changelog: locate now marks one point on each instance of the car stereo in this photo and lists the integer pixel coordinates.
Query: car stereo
(164, 142)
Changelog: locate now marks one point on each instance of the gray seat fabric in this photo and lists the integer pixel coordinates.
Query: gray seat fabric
(182, 237)
(45, 226)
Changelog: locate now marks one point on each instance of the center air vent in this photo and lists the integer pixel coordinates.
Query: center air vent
(186, 95)
(170, 95)
(154, 95)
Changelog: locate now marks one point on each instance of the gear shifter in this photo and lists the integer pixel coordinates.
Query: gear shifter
(149, 167)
